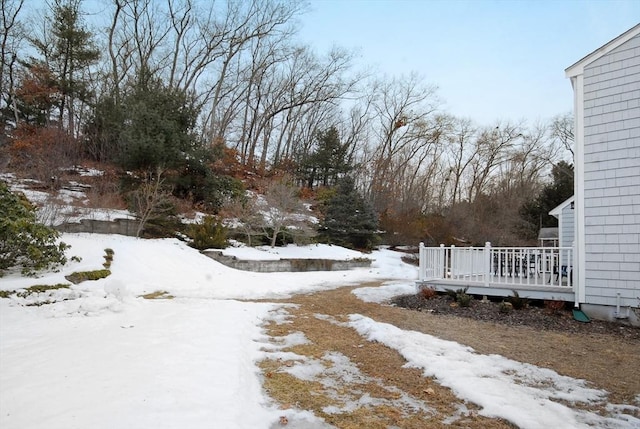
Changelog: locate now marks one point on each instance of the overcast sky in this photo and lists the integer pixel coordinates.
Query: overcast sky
(489, 59)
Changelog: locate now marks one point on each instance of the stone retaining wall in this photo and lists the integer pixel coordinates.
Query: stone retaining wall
(117, 226)
(286, 265)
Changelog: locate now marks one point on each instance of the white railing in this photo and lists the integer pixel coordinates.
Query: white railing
(538, 266)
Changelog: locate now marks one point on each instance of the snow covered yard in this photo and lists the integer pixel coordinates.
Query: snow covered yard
(101, 356)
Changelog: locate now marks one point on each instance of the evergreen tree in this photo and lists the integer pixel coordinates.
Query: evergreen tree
(535, 213)
(349, 219)
(24, 242)
(68, 51)
(158, 128)
(328, 162)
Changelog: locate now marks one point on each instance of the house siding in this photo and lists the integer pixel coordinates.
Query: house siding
(612, 176)
(567, 230)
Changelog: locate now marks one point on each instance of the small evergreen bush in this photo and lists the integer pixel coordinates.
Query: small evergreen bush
(463, 299)
(210, 234)
(24, 242)
(453, 294)
(460, 296)
(517, 301)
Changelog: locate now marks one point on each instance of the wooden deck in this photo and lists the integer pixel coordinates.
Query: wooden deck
(503, 287)
(533, 272)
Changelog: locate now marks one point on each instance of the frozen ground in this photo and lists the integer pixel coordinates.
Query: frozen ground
(100, 356)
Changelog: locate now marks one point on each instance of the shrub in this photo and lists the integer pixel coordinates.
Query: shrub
(460, 296)
(517, 301)
(108, 258)
(464, 299)
(210, 234)
(428, 293)
(24, 242)
(453, 294)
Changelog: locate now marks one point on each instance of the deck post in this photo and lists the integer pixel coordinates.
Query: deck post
(443, 262)
(452, 262)
(487, 262)
(422, 262)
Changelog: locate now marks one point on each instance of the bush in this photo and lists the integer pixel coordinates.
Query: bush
(24, 242)
(108, 258)
(428, 293)
(517, 301)
(210, 234)
(460, 296)
(463, 299)
(453, 294)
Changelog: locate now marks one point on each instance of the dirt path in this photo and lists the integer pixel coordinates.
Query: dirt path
(387, 395)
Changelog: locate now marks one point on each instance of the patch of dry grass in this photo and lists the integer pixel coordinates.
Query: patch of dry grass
(386, 394)
(159, 294)
(606, 362)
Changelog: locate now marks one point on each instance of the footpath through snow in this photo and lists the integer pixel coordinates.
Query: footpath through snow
(100, 356)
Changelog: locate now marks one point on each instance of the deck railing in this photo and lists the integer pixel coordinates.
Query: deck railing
(539, 266)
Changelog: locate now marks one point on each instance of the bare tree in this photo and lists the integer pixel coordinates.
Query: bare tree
(405, 130)
(283, 209)
(244, 212)
(300, 81)
(9, 45)
(148, 199)
(491, 148)
(562, 130)
(460, 155)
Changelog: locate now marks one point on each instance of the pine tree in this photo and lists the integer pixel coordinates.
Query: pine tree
(158, 131)
(68, 51)
(349, 219)
(328, 162)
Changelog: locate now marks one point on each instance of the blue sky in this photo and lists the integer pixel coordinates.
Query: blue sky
(491, 60)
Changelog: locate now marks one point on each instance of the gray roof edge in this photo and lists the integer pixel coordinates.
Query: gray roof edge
(576, 68)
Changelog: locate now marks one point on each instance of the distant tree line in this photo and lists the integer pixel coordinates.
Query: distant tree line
(202, 97)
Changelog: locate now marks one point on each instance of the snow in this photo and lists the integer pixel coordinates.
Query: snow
(101, 356)
(524, 394)
(323, 251)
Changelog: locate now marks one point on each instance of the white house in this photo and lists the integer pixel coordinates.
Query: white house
(606, 86)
